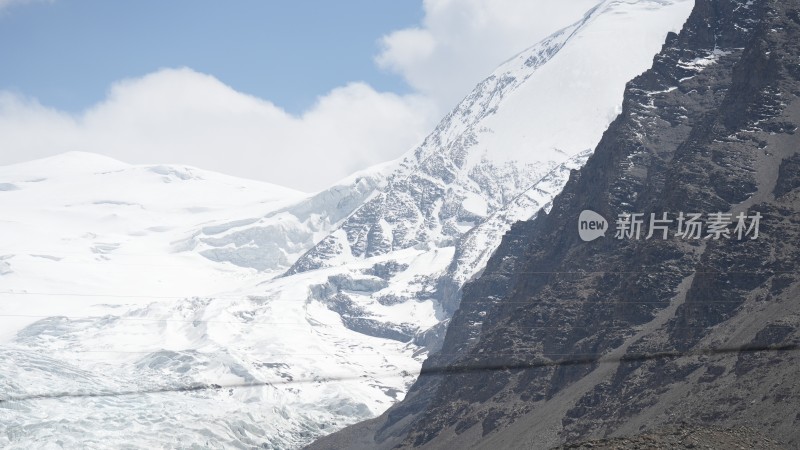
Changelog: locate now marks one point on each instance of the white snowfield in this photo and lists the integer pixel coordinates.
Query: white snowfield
(298, 314)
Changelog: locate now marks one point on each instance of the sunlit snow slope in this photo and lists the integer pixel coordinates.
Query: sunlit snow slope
(128, 278)
(87, 224)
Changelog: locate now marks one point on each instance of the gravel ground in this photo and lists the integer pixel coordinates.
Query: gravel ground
(685, 437)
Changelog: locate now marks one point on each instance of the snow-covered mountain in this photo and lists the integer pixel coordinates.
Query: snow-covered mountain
(124, 278)
(508, 147)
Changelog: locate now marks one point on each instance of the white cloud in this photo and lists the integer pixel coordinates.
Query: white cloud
(462, 41)
(181, 116)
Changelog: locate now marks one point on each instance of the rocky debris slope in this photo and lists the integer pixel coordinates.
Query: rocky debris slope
(684, 437)
(562, 340)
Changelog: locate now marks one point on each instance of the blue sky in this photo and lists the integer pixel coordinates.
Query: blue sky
(299, 93)
(66, 53)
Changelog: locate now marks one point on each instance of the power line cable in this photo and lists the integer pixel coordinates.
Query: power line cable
(78, 294)
(301, 300)
(279, 324)
(425, 371)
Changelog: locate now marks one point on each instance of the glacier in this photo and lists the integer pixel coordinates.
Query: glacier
(297, 314)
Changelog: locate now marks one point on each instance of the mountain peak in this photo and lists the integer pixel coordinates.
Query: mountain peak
(535, 112)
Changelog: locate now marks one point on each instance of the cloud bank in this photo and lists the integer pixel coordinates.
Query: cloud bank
(185, 117)
(181, 116)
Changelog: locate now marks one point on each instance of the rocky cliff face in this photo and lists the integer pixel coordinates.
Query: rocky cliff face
(562, 340)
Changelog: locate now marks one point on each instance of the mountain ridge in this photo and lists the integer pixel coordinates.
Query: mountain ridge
(711, 127)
